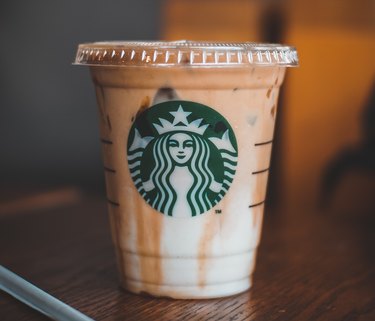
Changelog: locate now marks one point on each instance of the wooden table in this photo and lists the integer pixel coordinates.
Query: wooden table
(311, 266)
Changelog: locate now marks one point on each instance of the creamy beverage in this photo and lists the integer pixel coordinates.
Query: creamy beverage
(186, 130)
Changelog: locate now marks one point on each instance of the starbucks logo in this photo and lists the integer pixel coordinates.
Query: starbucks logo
(182, 157)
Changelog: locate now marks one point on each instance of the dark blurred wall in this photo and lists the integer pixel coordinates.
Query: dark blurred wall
(48, 115)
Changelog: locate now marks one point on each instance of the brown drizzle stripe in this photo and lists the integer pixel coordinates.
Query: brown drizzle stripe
(263, 143)
(257, 204)
(261, 171)
(106, 141)
(112, 202)
(107, 169)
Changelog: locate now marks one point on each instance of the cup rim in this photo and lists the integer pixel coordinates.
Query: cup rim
(185, 53)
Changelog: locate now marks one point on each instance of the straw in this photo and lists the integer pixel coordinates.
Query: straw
(37, 298)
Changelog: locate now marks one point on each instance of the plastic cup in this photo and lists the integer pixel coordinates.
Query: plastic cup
(186, 132)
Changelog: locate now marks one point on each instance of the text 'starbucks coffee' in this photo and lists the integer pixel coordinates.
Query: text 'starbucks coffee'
(186, 132)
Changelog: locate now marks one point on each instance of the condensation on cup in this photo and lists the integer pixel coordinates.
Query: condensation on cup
(186, 130)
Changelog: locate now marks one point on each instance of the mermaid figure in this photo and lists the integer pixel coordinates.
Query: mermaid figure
(181, 175)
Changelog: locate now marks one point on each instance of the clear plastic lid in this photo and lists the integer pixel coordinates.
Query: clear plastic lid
(185, 53)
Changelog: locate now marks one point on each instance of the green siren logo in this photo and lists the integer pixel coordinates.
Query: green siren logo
(182, 157)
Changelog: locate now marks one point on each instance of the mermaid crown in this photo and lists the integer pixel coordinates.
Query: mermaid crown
(180, 123)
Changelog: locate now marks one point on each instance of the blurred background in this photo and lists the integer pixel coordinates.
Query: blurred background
(324, 152)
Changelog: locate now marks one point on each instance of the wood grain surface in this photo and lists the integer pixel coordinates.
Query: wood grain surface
(310, 266)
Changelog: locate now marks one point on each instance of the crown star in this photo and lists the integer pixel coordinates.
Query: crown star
(180, 117)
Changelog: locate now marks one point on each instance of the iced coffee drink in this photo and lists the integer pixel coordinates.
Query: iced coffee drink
(186, 130)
